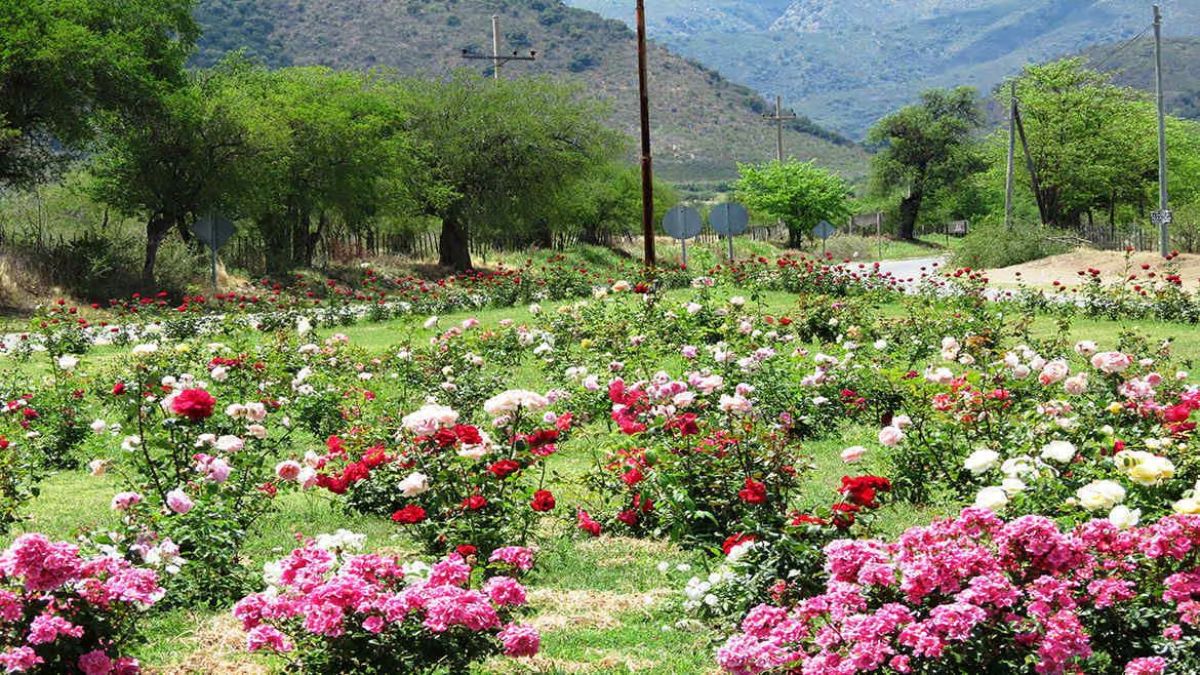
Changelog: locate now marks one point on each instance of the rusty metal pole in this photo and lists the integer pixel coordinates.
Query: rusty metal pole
(647, 168)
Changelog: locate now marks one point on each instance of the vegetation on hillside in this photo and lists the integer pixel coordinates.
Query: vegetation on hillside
(703, 124)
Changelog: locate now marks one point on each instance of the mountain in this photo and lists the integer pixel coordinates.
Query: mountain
(702, 124)
(846, 63)
(1132, 65)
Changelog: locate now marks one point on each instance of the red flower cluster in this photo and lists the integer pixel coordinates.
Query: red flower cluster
(409, 515)
(585, 523)
(861, 490)
(504, 468)
(194, 405)
(754, 492)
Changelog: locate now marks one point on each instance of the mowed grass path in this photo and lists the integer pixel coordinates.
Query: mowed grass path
(600, 603)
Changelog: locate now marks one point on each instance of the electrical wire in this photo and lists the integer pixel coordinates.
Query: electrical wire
(1121, 50)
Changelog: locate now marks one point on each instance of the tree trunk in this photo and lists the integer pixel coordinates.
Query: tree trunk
(157, 228)
(454, 245)
(795, 238)
(910, 208)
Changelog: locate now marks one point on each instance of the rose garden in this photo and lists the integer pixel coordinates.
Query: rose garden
(781, 466)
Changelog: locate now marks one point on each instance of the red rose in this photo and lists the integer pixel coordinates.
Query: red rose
(465, 550)
(843, 514)
(194, 404)
(504, 468)
(628, 516)
(444, 438)
(374, 456)
(806, 519)
(118, 389)
(542, 501)
(735, 540)
(633, 477)
(409, 515)
(474, 503)
(588, 525)
(754, 492)
(468, 435)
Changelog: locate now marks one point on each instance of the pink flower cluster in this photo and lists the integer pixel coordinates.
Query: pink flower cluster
(328, 598)
(976, 590)
(53, 601)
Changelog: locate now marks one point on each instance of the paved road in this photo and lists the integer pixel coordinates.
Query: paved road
(910, 271)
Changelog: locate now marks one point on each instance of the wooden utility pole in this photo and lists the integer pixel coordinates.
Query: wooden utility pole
(1012, 150)
(1164, 215)
(779, 118)
(647, 165)
(496, 59)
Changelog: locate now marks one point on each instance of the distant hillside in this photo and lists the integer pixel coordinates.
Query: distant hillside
(1133, 65)
(846, 63)
(702, 123)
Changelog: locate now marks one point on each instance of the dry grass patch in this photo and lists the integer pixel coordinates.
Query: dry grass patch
(220, 649)
(558, 610)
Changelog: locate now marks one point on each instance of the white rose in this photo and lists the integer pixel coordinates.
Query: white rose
(1124, 517)
(991, 498)
(1058, 451)
(415, 484)
(982, 461)
(1101, 494)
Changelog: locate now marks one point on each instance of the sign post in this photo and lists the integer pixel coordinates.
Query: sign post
(729, 220)
(214, 230)
(683, 223)
(824, 231)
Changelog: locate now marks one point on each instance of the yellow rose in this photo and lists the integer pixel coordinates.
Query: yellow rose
(183, 348)
(585, 343)
(1114, 407)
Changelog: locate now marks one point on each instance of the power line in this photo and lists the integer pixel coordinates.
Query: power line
(1121, 50)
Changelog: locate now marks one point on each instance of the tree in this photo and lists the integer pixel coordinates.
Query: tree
(176, 160)
(334, 150)
(498, 153)
(798, 193)
(63, 61)
(926, 148)
(1095, 145)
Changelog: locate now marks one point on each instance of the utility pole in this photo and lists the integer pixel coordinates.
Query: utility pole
(496, 59)
(647, 164)
(779, 118)
(1164, 215)
(1012, 150)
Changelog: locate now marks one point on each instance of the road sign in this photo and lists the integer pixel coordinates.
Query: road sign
(1160, 218)
(682, 222)
(729, 219)
(214, 230)
(823, 230)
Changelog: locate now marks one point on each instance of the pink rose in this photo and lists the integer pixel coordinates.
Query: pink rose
(179, 502)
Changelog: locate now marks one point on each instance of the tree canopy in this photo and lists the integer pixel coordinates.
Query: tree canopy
(926, 149)
(800, 194)
(64, 61)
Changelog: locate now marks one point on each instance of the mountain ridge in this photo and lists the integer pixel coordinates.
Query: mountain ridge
(846, 63)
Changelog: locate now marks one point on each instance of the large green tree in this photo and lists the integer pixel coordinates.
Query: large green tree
(335, 152)
(800, 194)
(182, 157)
(1095, 145)
(927, 150)
(499, 153)
(62, 61)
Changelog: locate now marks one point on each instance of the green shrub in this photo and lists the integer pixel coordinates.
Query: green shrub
(991, 246)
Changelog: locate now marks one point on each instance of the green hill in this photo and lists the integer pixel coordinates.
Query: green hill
(702, 123)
